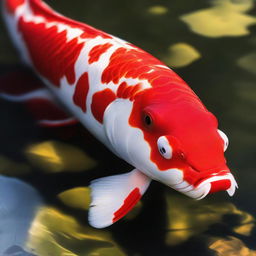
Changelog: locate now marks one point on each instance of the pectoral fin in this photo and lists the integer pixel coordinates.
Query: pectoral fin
(114, 196)
(24, 86)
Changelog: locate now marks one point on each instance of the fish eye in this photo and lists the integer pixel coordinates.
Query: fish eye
(148, 120)
(164, 147)
(225, 139)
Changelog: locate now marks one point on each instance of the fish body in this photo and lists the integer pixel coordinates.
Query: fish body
(134, 104)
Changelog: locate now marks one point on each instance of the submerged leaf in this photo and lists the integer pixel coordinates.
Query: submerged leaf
(225, 18)
(248, 62)
(134, 212)
(157, 10)
(187, 218)
(231, 247)
(54, 156)
(76, 197)
(11, 168)
(245, 229)
(181, 54)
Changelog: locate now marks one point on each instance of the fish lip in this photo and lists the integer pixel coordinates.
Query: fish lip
(222, 175)
(212, 177)
(202, 188)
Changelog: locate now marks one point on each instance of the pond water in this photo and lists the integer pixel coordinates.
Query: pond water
(44, 193)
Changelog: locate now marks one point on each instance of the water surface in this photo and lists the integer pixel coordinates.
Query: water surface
(44, 194)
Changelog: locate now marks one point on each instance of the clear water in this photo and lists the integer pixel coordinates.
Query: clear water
(43, 191)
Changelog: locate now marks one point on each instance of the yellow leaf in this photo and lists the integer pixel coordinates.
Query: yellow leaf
(224, 18)
(157, 10)
(231, 247)
(181, 54)
(76, 198)
(54, 156)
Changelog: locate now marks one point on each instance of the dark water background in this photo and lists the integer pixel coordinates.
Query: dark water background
(44, 197)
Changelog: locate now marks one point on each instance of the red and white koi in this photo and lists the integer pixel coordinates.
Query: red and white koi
(134, 104)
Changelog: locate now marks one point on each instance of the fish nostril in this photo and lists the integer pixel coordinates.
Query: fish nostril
(182, 155)
(193, 169)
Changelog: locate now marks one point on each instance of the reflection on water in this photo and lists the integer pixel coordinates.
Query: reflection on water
(55, 233)
(17, 251)
(43, 207)
(19, 203)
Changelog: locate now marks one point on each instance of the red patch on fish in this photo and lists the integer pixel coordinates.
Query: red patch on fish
(220, 185)
(135, 63)
(12, 5)
(100, 101)
(41, 9)
(130, 201)
(97, 51)
(81, 91)
(126, 91)
(52, 56)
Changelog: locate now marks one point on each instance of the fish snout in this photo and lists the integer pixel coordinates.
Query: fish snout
(222, 181)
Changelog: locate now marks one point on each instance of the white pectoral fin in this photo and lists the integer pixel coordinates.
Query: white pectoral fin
(114, 196)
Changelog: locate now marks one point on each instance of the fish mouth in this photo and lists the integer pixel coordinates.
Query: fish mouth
(216, 182)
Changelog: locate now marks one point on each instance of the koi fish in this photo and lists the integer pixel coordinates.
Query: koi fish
(134, 104)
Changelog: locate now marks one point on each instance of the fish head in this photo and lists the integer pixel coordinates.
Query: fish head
(186, 148)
